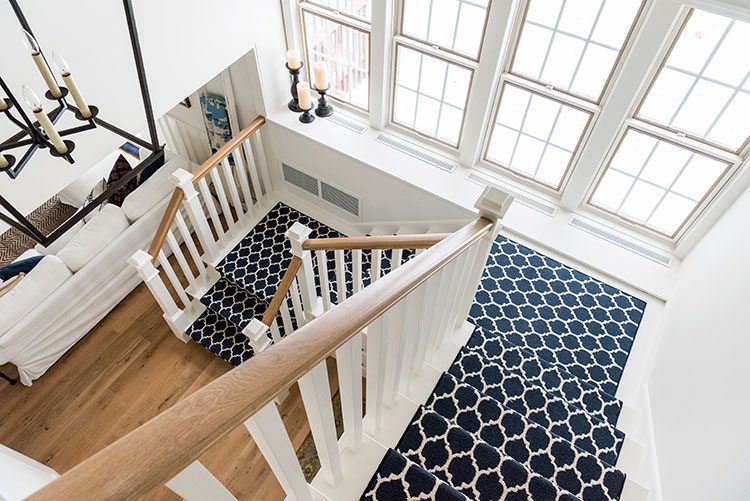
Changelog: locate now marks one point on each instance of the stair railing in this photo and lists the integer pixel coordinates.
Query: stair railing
(208, 211)
(406, 314)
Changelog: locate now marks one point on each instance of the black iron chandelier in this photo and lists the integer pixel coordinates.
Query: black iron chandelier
(38, 132)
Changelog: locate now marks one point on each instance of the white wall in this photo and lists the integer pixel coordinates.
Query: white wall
(185, 43)
(699, 385)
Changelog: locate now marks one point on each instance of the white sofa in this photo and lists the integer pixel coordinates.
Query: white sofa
(82, 277)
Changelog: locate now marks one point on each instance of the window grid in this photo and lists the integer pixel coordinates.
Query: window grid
(356, 71)
(697, 77)
(587, 42)
(669, 189)
(442, 102)
(451, 48)
(349, 8)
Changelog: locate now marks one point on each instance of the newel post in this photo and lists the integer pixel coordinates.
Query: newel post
(175, 317)
(183, 180)
(492, 205)
(311, 303)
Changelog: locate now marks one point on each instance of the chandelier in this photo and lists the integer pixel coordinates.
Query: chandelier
(38, 128)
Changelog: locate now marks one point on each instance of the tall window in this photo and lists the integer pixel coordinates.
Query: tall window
(436, 54)
(554, 83)
(687, 131)
(338, 33)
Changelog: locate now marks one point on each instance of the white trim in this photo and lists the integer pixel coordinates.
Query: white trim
(381, 29)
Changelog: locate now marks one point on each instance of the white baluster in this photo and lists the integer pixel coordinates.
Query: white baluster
(297, 234)
(189, 243)
(172, 276)
(456, 320)
(377, 257)
(299, 313)
(180, 257)
(349, 369)
(196, 483)
(444, 305)
(286, 318)
(231, 182)
(340, 276)
(211, 206)
(413, 312)
(492, 205)
(425, 321)
(316, 395)
(192, 203)
(395, 343)
(376, 353)
(174, 316)
(253, 170)
(261, 159)
(357, 270)
(241, 173)
(275, 333)
(270, 435)
(322, 259)
(222, 196)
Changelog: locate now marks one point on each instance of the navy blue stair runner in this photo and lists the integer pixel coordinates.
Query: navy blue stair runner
(528, 409)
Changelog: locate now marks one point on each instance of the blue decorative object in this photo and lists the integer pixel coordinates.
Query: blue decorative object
(216, 118)
(23, 266)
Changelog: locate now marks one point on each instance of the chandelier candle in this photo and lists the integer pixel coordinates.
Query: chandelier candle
(3, 104)
(4, 164)
(41, 64)
(36, 107)
(64, 70)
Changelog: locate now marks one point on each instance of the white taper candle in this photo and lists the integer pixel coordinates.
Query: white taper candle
(51, 132)
(77, 96)
(41, 65)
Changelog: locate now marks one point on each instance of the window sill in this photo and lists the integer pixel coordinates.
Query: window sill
(554, 233)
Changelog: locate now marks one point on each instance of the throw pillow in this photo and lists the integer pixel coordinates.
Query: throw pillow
(97, 190)
(151, 169)
(120, 170)
(24, 266)
(5, 287)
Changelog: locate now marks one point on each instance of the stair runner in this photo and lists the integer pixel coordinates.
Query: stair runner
(250, 274)
(527, 409)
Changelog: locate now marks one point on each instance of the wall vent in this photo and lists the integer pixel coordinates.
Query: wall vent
(413, 150)
(621, 240)
(518, 196)
(353, 125)
(339, 198)
(300, 179)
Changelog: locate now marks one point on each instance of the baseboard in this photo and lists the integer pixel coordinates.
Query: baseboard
(651, 457)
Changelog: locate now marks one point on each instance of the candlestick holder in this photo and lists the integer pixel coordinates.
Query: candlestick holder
(11, 162)
(306, 117)
(71, 146)
(64, 93)
(79, 116)
(8, 104)
(294, 102)
(324, 109)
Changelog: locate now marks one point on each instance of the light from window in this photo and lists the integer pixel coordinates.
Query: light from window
(573, 45)
(656, 183)
(454, 25)
(430, 94)
(703, 88)
(534, 135)
(346, 52)
(360, 9)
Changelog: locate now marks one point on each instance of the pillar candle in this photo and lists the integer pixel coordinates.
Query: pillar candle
(77, 97)
(292, 59)
(303, 95)
(49, 129)
(321, 75)
(41, 65)
(3, 161)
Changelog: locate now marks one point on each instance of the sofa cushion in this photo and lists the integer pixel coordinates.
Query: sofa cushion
(94, 237)
(155, 189)
(61, 242)
(47, 276)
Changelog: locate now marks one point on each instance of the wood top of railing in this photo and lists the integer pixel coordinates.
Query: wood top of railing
(155, 452)
(375, 242)
(177, 196)
(278, 297)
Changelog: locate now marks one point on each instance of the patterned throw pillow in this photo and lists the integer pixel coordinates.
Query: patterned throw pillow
(120, 170)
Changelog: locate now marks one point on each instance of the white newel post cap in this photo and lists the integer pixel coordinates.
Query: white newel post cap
(256, 332)
(142, 262)
(182, 179)
(297, 234)
(493, 203)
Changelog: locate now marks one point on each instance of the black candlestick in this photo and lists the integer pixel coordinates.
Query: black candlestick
(294, 102)
(306, 117)
(325, 109)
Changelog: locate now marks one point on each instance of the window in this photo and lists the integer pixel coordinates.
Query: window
(343, 43)
(563, 60)
(661, 174)
(435, 57)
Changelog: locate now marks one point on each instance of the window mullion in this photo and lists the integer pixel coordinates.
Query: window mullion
(381, 50)
(478, 113)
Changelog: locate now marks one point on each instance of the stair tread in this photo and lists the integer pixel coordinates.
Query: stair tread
(577, 471)
(551, 411)
(233, 303)
(561, 314)
(469, 465)
(400, 478)
(221, 337)
(259, 261)
(496, 347)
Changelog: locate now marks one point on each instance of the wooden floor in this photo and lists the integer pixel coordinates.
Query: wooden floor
(125, 371)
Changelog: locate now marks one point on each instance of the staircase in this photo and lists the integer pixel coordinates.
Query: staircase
(490, 370)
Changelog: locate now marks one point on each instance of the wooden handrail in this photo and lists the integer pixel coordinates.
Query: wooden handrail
(375, 242)
(228, 148)
(155, 452)
(205, 168)
(284, 284)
